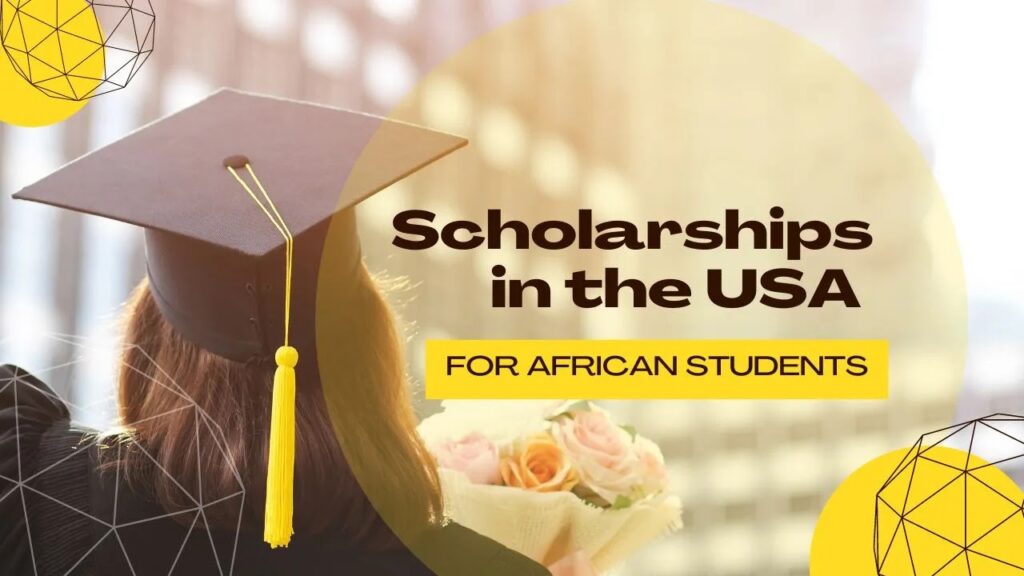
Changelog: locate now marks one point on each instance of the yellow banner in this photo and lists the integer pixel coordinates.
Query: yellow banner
(649, 369)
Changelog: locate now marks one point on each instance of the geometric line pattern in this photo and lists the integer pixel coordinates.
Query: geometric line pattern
(77, 49)
(209, 436)
(947, 510)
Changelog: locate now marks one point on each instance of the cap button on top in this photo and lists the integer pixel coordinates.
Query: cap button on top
(237, 162)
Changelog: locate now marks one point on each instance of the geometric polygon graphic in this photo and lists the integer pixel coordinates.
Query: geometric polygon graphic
(121, 530)
(77, 49)
(949, 510)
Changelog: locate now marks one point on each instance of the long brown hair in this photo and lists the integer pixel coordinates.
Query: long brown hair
(370, 429)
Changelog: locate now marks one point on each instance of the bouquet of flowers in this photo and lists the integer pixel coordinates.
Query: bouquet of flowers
(551, 480)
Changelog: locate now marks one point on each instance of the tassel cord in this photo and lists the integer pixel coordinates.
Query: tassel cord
(278, 514)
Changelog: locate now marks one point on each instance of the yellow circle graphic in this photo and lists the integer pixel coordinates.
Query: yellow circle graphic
(53, 50)
(932, 509)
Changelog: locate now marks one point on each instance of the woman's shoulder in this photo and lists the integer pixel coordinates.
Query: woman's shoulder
(28, 409)
(457, 550)
(449, 551)
(36, 403)
(43, 477)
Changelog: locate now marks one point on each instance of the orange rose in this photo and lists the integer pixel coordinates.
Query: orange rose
(538, 465)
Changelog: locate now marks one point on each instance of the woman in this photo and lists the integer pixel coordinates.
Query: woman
(338, 530)
(212, 416)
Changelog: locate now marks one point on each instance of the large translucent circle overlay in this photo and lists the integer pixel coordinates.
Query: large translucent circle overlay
(670, 109)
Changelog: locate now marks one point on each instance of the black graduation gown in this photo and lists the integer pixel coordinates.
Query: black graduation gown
(58, 519)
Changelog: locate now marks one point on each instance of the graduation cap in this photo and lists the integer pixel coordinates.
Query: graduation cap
(236, 194)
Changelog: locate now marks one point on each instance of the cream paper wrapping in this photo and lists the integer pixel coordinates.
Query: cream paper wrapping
(549, 526)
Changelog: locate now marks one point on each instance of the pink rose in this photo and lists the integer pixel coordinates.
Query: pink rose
(603, 454)
(473, 455)
(652, 466)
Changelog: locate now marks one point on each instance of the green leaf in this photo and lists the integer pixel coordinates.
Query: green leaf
(568, 411)
(589, 496)
(631, 430)
(621, 503)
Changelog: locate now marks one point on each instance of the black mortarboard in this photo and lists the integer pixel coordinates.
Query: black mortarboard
(215, 262)
(215, 257)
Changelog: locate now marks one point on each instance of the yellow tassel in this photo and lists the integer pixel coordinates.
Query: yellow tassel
(277, 517)
(277, 530)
